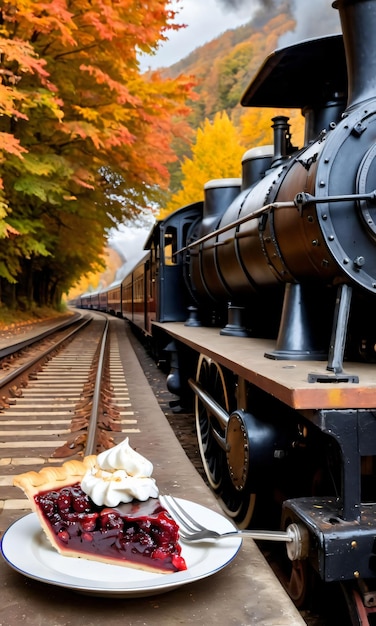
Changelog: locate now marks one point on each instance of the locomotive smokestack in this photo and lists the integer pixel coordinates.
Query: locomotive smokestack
(281, 138)
(358, 21)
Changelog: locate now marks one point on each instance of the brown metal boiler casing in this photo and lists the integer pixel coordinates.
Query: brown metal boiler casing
(241, 277)
(204, 271)
(292, 238)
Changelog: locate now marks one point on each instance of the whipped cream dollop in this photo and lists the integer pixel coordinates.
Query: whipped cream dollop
(119, 475)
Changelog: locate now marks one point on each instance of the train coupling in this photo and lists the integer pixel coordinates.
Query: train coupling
(296, 537)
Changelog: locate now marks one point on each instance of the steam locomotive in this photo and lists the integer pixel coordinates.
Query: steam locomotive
(263, 299)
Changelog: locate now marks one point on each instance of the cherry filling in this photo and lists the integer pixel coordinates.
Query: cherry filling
(138, 532)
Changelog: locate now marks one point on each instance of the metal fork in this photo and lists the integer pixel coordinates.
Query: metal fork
(192, 530)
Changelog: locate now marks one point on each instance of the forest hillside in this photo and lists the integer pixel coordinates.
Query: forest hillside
(224, 67)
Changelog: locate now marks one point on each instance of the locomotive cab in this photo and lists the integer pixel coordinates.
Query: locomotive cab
(165, 241)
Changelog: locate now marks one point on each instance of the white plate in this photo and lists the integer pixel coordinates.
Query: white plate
(27, 550)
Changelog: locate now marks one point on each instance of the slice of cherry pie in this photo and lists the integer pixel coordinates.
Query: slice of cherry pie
(138, 534)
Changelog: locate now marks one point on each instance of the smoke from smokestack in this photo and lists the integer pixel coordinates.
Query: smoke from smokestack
(313, 18)
(233, 4)
(240, 5)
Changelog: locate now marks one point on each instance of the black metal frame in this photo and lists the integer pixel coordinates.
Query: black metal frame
(342, 528)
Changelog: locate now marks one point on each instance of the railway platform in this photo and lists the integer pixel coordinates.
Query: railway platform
(244, 593)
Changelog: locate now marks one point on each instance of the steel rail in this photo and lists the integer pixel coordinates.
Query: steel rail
(90, 447)
(16, 347)
(24, 368)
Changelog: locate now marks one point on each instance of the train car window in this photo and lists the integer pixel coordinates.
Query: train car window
(170, 246)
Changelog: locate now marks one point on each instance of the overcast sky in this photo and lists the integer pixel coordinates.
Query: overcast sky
(205, 19)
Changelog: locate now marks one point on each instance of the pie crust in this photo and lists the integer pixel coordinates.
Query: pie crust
(51, 477)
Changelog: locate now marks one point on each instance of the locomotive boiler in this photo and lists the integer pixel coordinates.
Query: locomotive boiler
(307, 220)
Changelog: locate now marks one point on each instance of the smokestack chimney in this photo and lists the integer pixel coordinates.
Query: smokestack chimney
(281, 129)
(358, 21)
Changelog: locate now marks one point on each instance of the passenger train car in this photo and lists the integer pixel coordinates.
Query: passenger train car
(263, 298)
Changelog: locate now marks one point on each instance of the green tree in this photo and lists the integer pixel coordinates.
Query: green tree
(230, 86)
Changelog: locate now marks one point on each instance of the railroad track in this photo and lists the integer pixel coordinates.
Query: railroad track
(61, 401)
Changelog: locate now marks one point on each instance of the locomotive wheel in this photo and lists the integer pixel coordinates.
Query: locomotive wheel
(357, 613)
(296, 584)
(209, 431)
(237, 504)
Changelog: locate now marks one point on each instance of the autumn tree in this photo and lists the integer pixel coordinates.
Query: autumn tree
(256, 126)
(216, 153)
(223, 69)
(85, 137)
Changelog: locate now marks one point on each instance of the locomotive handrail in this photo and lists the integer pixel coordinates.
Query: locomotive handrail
(241, 220)
(301, 199)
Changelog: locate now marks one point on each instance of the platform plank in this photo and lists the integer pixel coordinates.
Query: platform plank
(286, 380)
